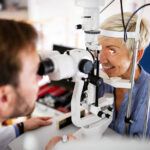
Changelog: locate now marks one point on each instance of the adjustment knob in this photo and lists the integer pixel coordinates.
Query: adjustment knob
(78, 26)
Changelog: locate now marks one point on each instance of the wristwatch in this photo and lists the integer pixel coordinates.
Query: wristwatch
(20, 127)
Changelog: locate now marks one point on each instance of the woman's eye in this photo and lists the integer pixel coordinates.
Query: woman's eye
(112, 51)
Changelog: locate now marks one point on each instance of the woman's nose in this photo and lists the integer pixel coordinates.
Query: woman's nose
(103, 56)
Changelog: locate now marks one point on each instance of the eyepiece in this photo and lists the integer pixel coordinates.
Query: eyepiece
(46, 66)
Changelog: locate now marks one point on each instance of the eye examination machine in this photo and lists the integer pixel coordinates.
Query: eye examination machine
(82, 67)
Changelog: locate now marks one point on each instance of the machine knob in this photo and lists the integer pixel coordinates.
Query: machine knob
(79, 26)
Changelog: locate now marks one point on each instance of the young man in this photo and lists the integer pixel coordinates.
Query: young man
(18, 78)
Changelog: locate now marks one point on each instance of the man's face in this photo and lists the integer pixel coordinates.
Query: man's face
(115, 58)
(26, 92)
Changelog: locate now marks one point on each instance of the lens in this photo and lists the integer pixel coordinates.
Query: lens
(46, 66)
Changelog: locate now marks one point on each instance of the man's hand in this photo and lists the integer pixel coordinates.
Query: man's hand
(57, 139)
(36, 122)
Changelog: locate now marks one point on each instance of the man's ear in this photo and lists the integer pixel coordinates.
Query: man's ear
(6, 100)
(3, 97)
(140, 54)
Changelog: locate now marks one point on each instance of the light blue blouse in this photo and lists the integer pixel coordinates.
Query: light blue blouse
(139, 104)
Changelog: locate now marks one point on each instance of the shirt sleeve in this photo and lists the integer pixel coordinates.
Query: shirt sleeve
(16, 130)
(7, 134)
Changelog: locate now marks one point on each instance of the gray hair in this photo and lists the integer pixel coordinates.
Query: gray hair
(114, 23)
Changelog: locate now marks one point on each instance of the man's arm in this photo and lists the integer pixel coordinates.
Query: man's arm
(7, 134)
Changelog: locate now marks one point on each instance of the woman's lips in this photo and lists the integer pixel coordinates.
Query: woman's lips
(107, 67)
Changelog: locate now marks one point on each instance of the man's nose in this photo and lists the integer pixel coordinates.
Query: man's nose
(39, 77)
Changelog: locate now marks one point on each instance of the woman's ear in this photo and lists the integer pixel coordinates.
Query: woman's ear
(140, 54)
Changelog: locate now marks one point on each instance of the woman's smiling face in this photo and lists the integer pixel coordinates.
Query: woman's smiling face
(114, 57)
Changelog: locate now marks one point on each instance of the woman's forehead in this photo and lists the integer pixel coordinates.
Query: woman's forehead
(110, 41)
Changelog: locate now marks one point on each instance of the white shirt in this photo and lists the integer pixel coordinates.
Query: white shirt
(7, 134)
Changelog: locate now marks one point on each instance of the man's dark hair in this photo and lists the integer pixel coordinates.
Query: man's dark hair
(15, 37)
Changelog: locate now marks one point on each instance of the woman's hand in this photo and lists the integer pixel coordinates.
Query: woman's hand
(57, 139)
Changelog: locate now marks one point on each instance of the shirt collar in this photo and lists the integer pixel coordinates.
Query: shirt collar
(142, 75)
